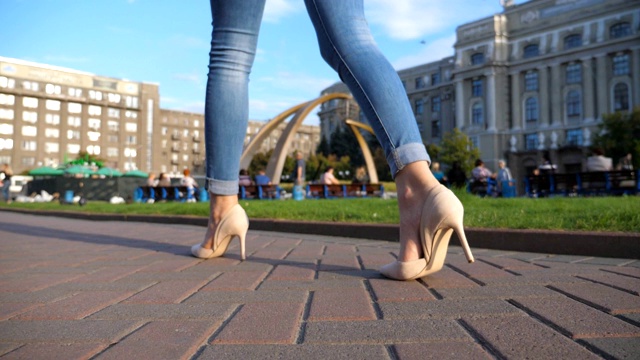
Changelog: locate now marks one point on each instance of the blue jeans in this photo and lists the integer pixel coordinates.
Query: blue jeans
(346, 45)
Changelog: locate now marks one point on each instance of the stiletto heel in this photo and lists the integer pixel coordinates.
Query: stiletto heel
(234, 223)
(442, 214)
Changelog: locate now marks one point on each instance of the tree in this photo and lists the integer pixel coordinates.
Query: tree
(344, 143)
(620, 135)
(456, 146)
(84, 158)
(323, 147)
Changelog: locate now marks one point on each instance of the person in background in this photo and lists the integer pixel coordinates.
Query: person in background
(598, 162)
(190, 184)
(360, 176)
(437, 173)
(547, 167)
(164, 180)
(244, 179)
(504, 175)
(480, 176)
(328, 178)
(261, 178)
(457, 177)
(151, 180)
(299, 170)
(5, 178)
(626, 163)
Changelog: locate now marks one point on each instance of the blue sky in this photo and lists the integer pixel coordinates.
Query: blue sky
(167, 42)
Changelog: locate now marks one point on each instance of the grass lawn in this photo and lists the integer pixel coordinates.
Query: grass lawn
(587, 214)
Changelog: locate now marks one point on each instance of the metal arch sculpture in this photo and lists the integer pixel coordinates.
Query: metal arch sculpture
(300, 112)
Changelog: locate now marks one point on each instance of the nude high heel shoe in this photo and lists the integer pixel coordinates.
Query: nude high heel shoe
(234, 223)
(442, 214)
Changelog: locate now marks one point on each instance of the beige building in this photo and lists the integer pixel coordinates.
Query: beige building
(50, 114)
(531, 80)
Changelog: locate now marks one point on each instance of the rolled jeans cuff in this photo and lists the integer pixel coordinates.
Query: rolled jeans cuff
(405, 155)
(222, 187)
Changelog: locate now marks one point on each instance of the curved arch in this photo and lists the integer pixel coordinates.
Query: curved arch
(366, 152)
(276, 162)
(254, 145)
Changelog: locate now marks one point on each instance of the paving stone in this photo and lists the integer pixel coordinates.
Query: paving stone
(173, 339)
(8, 310)
(123, 284)
(375, 261)
(620, 282)
(626, 270)
(349, 275)
(478, 269)
(540, 278)
(57, 351)
(447, 278)
(166, 292)
(603, 297)
(576, 319)
(288, 272)
(108, 274)
(245, 280)
(509, 264)
(149, 312)
(8, 347)
(341, 304)
(66, 330)
(390, 290)
(35, 282)
(37, 297)
(383, 331)
(617, 348)
(459, 350)
(339, 250)
(245, 297)
(631, 318)
(263, 323)
(336, 263)
(496, 292)
(608, 261)
(295, 352)
(447, 308)
(520, 337)
(75, 307)
(310, 285)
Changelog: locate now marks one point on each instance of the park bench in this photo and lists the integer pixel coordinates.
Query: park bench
(166, 193)
(259, 192)
(348, 190)
(584, 183)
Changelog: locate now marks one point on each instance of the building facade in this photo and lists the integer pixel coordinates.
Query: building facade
(531, 81)
(51, 114)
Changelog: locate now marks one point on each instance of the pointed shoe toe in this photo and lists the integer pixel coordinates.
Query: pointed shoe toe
(198, 251)
(404, 270)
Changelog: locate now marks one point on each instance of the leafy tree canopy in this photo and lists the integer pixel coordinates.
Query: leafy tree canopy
(620, 135)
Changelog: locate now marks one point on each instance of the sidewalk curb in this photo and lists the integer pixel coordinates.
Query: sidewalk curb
(583, 243)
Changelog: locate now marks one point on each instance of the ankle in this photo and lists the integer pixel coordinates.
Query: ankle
(220, 205)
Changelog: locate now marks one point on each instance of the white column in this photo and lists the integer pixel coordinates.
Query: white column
(516, 109)
(491, 102)
(460, 101)
(602, 95)
(543, 91)
(557, 101)
(588, 98)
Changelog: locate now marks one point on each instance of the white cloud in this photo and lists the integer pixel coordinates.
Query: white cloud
(433, 51)
(277, 9)
(413, 19)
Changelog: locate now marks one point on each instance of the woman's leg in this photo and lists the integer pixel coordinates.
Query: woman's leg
(348, 46)
(234, 39)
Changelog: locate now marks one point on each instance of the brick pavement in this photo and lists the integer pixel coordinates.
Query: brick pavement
(79, 289)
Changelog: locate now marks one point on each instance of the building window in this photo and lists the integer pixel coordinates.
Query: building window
(477, 59)
(620, 97)
(132, 127)
(435, 78)
(530, 51)
(114, 98)
(196, 122)
(530, 141)
(74, 108)
(6, 129)
(113, 125)
(574, 137)
(621, 64)
(114, 113)
(572, 41)
(73, 134)
(6, 99)
(51, 148)
(574, 104)
(573, 73)
(30, 102)
(477, 117)
(113, 138)
(531, 110)
(420, 82)
(131, 101)
(93, 149)
(95, 95)
(30, 85)
(52, 133)
(28, 161)
(419, 105)
(74, 92)
(29, 145)
(95, 110)
(112, 152)
(73, 148)
(94, 124)
(131, 139)
(476, 88)
(6, 114)
(620, 30)
(30, 116)
(53, 89)
(52, 105)
(435, 128)
(436, 104)
(531, 81)
(6, 144)
(134, 115)
(5, 82)
(53, 119)
(93, 135)
(74, 121)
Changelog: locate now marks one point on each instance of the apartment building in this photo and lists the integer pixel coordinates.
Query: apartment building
(49, 114)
